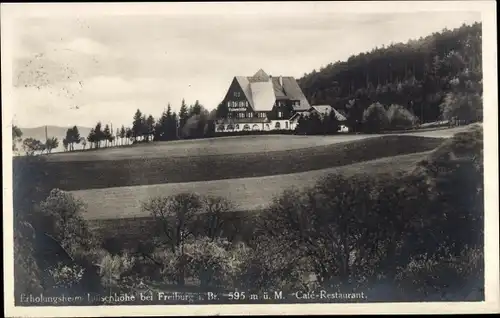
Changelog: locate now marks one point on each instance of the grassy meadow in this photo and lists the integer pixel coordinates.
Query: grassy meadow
(100, 174)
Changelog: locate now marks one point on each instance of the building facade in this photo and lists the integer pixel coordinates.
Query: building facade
(262, 103)
(322, 111)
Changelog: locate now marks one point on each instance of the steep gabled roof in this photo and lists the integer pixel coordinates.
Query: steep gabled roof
(322, 109)
(245, 86)
(326, 109)
(278, 89)
(263, 96)
(293, 91)
(262, 90)
(340, 116)
(260, 76)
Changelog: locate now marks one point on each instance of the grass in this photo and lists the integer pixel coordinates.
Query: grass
(83, 175)
(248, 193)
(126, 232)
(203, 147)
(225, 145)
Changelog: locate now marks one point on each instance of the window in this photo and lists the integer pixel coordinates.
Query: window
(278, 125)
(262, 115)
(280, 114)
(229, 104)
(241, 115)
(268, 127)
(242, 104)
(246, 127)
(237, 127)
(250, 115)
(230, 127)
(246, 103)
(255, 127)
(236, 94)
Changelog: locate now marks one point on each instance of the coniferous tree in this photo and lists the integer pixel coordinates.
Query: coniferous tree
(107, 134)
(183, 114)
(150, 126)
(122, 134)
(137, 127)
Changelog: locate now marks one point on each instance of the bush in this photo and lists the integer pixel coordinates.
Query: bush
(210, 262)
(445, 278)
(375, 118)
(27, 273)
(400, 117)
(454, 172)
(66, 276)
(273, 266)
(331, 229)
(113, 270)
(466, 107)
(61, 215)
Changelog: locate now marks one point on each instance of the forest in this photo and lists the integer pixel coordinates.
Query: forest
(428, 76)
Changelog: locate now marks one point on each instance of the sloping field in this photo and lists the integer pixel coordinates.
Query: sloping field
(226, 145)
(204, 147)
(248, 193)
(80, 175)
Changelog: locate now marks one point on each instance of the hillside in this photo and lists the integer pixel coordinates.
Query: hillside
(417, 74)
(98, 174)
(53, 131)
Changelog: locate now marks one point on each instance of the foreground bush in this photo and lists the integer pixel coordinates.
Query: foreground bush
(357, 231)
(444, 278)
(113, 270)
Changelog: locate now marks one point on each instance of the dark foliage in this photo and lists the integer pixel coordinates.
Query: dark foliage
(417, 75)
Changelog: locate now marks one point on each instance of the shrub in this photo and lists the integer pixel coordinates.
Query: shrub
(400, 117)
(327, 228)
(210, 262)
(273, 266)
(213, 219)
(27, 273)
(66, 276)
(113, 269)
(454, 172)
(462, 106)
(375, 118)
(443, 277)
(61, 214)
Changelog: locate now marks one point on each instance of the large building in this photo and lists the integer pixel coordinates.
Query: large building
(262, 102)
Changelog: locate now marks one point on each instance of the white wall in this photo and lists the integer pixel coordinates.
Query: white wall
(259, 126)
(282, 124)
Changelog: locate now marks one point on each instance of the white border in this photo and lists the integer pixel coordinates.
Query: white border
(487, 9)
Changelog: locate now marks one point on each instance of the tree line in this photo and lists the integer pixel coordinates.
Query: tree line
(31, 145)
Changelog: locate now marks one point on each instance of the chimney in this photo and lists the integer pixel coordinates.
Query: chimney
(281, 81)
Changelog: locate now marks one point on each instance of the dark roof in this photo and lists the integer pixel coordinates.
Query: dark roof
(287, 89)
(293, 91)
(326, 109)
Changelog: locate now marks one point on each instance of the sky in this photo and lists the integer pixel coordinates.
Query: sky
(70, 70)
